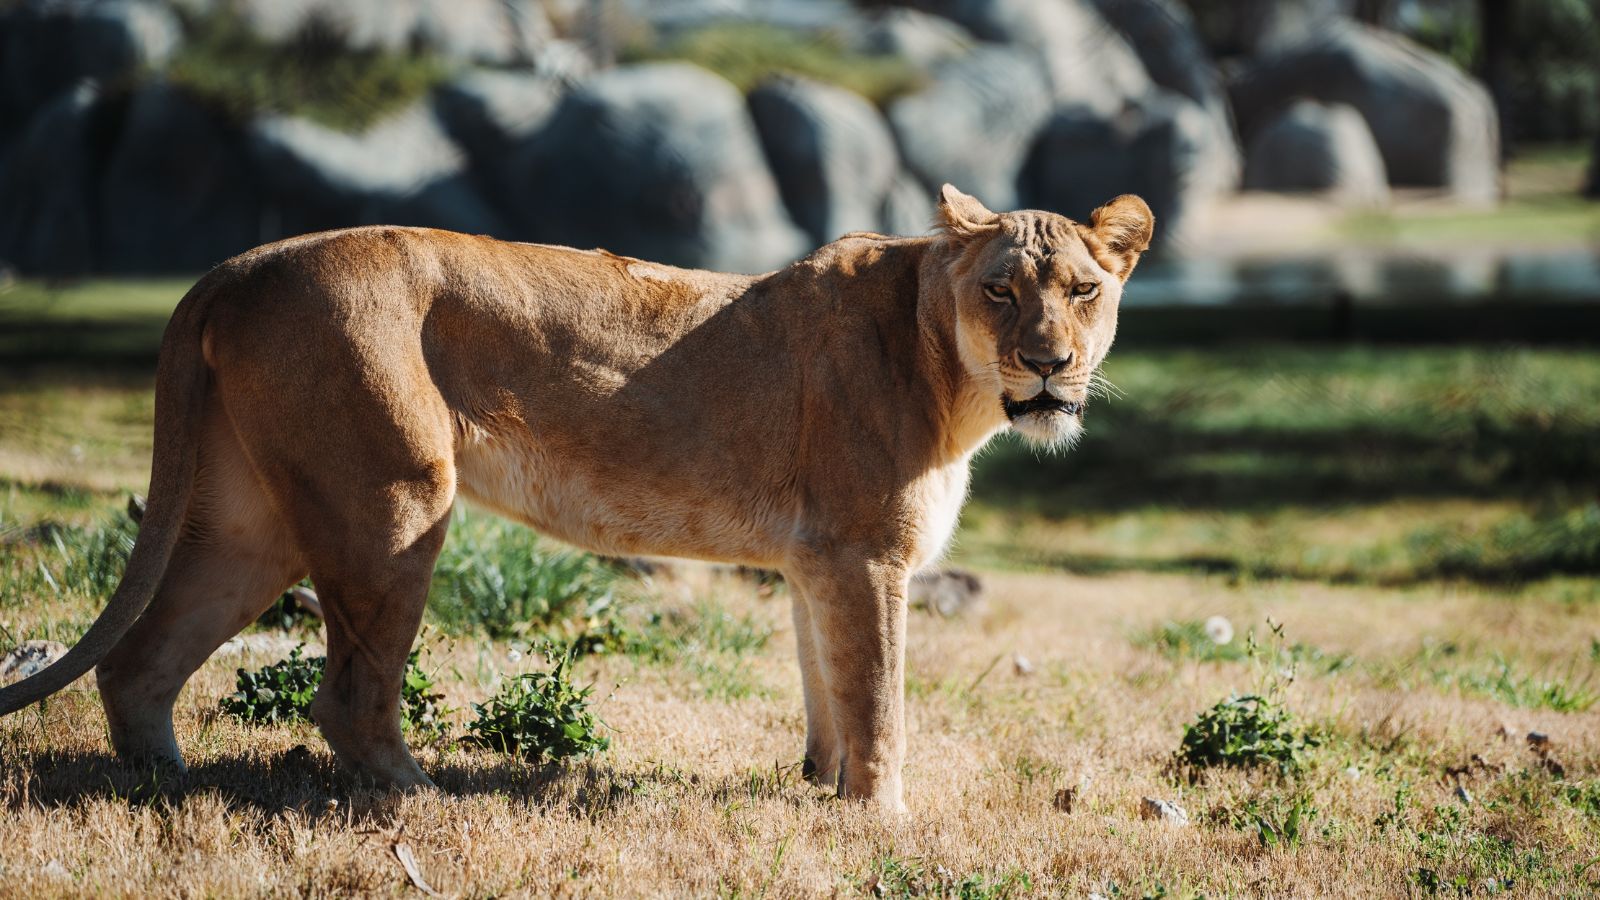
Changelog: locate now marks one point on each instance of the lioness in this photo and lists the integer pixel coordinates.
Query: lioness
(322, 401)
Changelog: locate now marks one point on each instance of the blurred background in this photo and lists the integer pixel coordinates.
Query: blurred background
(1361, 350)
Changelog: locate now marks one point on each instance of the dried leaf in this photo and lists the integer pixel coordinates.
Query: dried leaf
(408, 861)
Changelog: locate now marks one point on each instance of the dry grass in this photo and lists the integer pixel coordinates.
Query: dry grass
(699, 795)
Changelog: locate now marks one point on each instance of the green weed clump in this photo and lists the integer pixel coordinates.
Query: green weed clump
(500, 578)
(1277, 821)
(1254, 730)
(282, 692)
(749, 53)
(540, 716)
(1245, 732)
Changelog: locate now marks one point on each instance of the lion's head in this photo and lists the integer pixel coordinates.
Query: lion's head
(1036, 303)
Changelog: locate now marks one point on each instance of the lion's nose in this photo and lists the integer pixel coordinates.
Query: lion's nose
(1046, 367)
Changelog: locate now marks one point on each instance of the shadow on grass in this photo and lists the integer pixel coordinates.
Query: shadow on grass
(1137, 460)
(310, 784)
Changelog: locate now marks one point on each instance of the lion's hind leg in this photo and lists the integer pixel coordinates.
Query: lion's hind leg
(373, 596)
(234, 559)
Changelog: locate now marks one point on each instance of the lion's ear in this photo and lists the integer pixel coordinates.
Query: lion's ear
(962, 215)
(1125, 226)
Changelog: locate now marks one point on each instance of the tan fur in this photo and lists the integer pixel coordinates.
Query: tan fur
(322, 401)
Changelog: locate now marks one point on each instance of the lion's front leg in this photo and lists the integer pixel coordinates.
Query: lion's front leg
(821, 766)
(858, 619)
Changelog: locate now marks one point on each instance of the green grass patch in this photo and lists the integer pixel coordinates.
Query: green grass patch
(1344, 463)
(225, 64)
(502, 579)
(748, 53)
(1569, 692)
(894, 876)
(710, 644)
(1189, 639)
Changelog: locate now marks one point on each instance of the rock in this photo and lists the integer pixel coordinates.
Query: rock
(493, 32)
(1163, 148)
(1434, 125)
(915, 36)
(908, 207)
(1252, 27)
(948, 592)
(973, 125)
(1164, 811)
(1021, 665)
(178, 193)
(404, 170)
(831, 153)
(677, 178)
(1318, 147)
(29, 658)
(49, 46)
(265, 643)
(1163, 35)
(306, 599)
(1084, 59)
(488, 113)
(47, 219)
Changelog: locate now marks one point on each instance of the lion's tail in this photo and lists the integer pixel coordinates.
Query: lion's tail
(180, 396)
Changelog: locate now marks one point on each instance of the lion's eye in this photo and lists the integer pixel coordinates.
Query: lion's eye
(998, 292)
(1085, 289)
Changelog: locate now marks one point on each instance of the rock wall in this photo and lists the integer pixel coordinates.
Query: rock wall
(109, 164)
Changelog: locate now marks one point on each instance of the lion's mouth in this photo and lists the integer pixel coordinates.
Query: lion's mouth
(1044, 402)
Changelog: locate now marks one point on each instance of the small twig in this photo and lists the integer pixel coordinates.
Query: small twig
(985, 673)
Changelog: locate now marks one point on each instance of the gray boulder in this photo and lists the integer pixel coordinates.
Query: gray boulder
(908, 207)
(488, 113)
(973, 125)
(1163, 34)
(1163, 148)
(658, 161)
(46, 191)
(1234, 28)
(1086, 61)
(177, 193)
(923, 39)
(495, 32)
(48, 46)
(1435, 126)
(403, 171)
(832, 155)
(1318, 147)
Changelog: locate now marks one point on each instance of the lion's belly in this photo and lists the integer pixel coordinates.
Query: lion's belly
(521, 480)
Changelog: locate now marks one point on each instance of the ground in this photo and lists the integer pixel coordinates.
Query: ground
(1419, 521)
